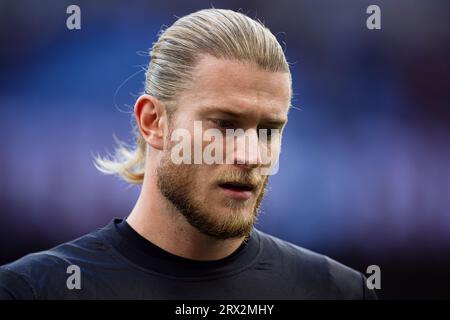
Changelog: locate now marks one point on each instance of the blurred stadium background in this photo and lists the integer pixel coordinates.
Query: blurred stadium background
(365, 166)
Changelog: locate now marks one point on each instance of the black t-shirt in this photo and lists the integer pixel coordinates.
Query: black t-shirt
(115, 262)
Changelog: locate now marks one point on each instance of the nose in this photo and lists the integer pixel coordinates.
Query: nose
(247, 151)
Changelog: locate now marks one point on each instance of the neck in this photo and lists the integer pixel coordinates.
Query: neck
(158, 221)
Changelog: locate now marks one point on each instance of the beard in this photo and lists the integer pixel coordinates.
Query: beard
(178, 184)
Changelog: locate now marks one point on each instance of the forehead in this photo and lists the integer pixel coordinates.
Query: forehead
(237, 87)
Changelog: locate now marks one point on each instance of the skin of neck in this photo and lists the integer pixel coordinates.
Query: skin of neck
(157, 220)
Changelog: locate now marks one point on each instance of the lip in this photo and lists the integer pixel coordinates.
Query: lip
(237, 194)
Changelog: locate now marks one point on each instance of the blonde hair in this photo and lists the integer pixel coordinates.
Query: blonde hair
(221, 33)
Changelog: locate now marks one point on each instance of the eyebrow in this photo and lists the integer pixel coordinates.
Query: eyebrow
(279, 122)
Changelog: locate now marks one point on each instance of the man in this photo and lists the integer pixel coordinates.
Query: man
(191, 233)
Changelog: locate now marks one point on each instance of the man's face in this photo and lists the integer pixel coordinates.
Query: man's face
(222, 200)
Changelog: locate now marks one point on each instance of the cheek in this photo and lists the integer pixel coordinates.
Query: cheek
(201, 180)
(202, 176)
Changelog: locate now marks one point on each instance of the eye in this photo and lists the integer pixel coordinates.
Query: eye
(224, 124)
(269, 133)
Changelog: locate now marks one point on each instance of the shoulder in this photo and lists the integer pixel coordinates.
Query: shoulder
(315, 273)
(31, 276)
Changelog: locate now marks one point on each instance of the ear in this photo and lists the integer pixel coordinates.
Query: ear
(151, 119)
